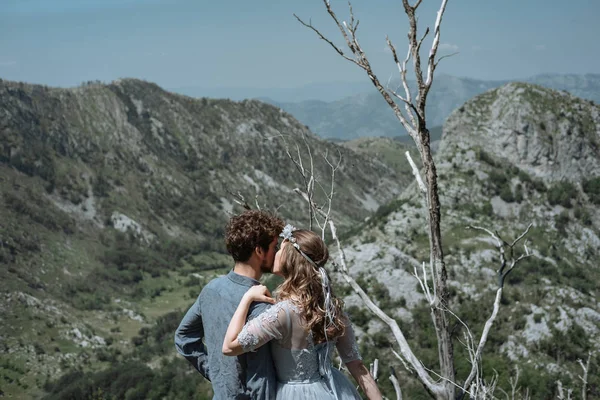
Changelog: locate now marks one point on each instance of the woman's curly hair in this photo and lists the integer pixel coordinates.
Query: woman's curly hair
(302, 284)
(246, 231)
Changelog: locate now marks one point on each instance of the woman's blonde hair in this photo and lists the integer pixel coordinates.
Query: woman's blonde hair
(303, 284)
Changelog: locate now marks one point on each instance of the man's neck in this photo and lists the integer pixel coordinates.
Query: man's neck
(245, 269)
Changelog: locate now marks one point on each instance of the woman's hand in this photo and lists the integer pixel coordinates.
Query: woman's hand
(259, 293)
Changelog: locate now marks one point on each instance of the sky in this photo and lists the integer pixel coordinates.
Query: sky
(258, 43)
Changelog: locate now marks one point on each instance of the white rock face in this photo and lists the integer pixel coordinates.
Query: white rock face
(386, 264)
(550, 134)
(122, 223)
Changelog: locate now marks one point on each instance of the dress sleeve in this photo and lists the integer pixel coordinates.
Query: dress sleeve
(346, 344)
(273, 323)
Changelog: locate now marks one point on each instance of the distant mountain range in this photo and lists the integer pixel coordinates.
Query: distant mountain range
(367, 114)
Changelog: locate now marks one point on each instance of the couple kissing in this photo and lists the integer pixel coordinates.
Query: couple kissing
(252, 345)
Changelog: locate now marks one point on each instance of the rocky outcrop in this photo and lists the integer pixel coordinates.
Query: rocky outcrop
(512, 156)
(551, 135)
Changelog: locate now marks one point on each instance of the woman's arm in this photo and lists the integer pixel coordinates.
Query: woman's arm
(365, 380)
(348, 350)
(231, 345)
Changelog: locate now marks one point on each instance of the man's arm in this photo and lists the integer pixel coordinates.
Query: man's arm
(188, 340)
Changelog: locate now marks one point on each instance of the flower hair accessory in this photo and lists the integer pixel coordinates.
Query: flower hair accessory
(287, 234)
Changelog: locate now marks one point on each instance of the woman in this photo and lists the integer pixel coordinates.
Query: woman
(302, 327)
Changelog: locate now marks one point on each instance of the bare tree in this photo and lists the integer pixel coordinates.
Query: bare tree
(585, 368)
(413, 119)
(442, 385)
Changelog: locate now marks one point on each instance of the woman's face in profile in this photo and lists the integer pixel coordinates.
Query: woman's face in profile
(278, 256)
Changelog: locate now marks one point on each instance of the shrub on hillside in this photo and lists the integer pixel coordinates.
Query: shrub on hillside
(485, 157)
(592, 188)
(562, 193)
(506, 194)
(583, 215)
(561, 221)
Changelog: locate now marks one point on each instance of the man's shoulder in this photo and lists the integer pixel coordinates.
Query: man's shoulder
(258, 308)
(215, 283)
(216, 286)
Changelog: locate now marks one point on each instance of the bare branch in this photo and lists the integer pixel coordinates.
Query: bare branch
(349, 34)
(502, 273)
(414, 46)
(521, 236)
(561, 393)
(514, 381)
(399, 357)
(584, 378)
(396, 385)
(374, 369)
(434, 46)
(402, 70)
(417, 4)
(416, 173)
(337, 49)
(420, 43)
(445, 56)
(256, 202)
(483, 339)
(239, 199)
(330, 196)
(407, 353)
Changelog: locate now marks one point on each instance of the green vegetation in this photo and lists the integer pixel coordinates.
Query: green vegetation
(592, 188)
(128, 376)
(562, 193)
(561, 221)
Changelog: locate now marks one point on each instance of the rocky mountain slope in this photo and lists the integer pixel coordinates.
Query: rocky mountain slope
(113, 200)
(367, 114)
(514, 155)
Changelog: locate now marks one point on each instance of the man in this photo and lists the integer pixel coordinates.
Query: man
(251, 239)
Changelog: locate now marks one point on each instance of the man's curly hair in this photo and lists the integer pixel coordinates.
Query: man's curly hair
(251, 229)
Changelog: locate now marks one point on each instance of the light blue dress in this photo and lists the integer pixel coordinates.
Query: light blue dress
(304, 370)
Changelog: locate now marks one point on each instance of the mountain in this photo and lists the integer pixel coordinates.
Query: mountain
(367, 114)
(113, 202)
(514, 155)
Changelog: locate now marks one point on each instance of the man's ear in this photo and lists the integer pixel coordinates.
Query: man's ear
(259, 251)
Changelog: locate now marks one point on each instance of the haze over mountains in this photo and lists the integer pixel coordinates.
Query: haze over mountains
(349, 111)
(113, 200)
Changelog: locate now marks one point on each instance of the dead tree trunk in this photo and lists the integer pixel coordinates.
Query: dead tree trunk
(442, 385)
(415, 124)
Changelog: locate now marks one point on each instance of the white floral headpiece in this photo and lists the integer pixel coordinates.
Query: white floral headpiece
(287, 233)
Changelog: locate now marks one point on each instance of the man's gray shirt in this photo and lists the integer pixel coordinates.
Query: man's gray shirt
(248, 376)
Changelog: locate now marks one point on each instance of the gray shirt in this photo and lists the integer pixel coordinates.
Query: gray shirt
(247, 376)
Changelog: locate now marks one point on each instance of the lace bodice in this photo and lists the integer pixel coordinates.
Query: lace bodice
(295, 356)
